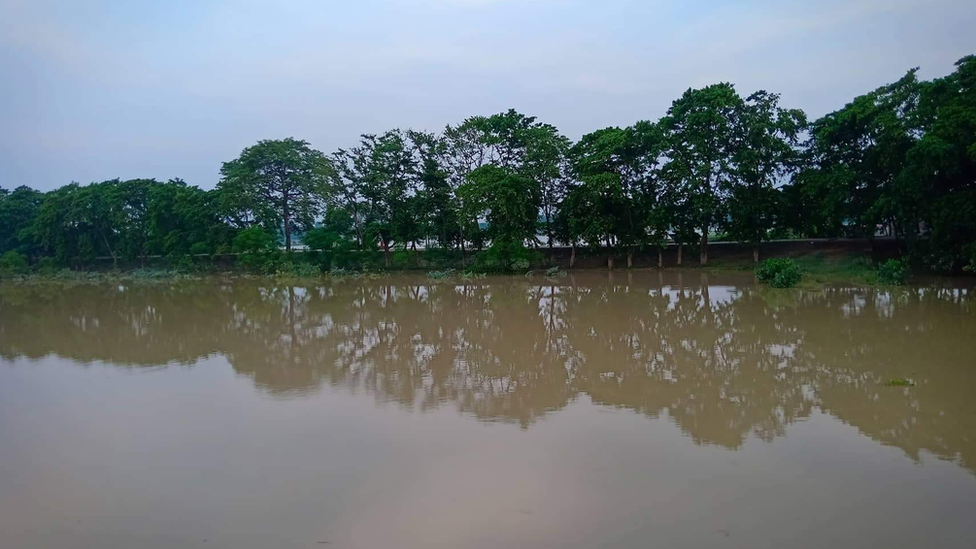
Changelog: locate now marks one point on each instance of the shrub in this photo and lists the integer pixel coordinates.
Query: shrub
(893, 271)
(401, 259)
(199, 248)
(341, 272)
(292, 269)
(184, 264)
(779, 273)
(438, 275)
(257, 249)
(46, 266)
(505, 257)
(440, 257)
(555, 272)
(13, 263)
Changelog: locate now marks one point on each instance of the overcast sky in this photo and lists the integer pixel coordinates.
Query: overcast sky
(123, 88)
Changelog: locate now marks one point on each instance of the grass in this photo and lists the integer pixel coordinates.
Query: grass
(817, 269)
(900, 382)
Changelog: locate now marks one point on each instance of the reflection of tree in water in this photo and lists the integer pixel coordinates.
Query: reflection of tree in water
(719, 360)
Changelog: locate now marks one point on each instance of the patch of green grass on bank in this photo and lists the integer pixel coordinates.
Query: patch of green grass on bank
(816, 269)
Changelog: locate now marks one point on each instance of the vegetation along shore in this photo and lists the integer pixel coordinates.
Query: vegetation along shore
(883, 185)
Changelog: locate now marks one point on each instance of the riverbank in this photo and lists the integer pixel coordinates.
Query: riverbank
(821, 262)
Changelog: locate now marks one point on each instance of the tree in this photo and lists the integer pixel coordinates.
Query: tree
(501, 140)
(700, 128)
(507, 200)
(17, 211)
(861, 149)
(593, 209)
(765, 153)
(280, 184)
(378, 177)
(436, 207)
(625, 159)
(184, 219)
(546, 164)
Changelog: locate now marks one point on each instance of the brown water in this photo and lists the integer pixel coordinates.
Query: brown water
(627, 410)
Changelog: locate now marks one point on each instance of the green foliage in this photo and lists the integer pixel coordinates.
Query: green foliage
(900, 382)
(13, 263)
(340, 272)
(276, 183)
(554, 272)
(779, 272)
(297, 269)
(257, 250)
(506, 199)
(503, 257)
(894, 272)
(402, 259)
(46, 266)
(900, 159)
(439, 275)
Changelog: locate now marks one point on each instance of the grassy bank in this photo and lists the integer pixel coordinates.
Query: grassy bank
(816, 269)
(819, 262)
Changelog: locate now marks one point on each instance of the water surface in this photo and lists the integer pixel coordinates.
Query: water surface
(643, 409)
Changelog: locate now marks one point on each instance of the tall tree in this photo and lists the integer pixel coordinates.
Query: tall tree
(509, 203)
(378, 177)
(17, 211)
(436, 206)
(765, 153)
(546, 164)
(860, 150)
(625, 158)
(701, 131)
(281, 183)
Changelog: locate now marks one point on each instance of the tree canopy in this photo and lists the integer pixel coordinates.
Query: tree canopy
(898, 161)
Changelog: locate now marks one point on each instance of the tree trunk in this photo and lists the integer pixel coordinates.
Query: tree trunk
(287, 219)
(755, 253)
(115, 258)
(680, 249)
(572, 256)
(610, 261)
(703, 258)
(386, 254)
(630, 258)
(660, 259)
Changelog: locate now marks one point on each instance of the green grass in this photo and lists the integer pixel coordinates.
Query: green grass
(817, 269)
(900, 382)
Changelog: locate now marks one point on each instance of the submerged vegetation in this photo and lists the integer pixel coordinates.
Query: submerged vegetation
(897, 161)
(900, 382)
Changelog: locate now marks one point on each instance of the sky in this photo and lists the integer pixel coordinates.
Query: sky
(94, 90)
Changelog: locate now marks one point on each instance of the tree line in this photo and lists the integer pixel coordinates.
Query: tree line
(899, 160)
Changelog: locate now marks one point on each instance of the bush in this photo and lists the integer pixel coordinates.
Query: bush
(439, 275)
(779, 273)
(893, 271)
(13, 263)
(292, 269)
(441, 258)
(257, 249)
(46, 266)
(505, 257)
(401, 259)
(555, 272)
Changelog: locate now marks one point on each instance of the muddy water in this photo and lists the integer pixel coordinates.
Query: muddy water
(642, 410)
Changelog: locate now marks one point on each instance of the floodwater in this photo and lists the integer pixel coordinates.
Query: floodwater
(624, 410)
